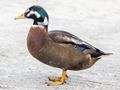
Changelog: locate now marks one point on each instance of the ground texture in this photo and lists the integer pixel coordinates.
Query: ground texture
(95, 21)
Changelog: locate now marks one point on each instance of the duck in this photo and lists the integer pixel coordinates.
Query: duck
(58, 48)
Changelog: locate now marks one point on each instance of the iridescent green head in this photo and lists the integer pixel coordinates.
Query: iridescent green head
(38, 14)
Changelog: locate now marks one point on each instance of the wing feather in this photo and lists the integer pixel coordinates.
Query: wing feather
(63, 37)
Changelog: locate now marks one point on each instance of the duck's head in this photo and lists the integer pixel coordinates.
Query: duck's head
(38, 14)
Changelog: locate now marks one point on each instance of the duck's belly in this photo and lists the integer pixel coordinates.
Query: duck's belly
(59, 56)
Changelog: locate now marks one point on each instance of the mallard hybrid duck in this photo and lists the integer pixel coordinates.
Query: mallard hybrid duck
(58, 48)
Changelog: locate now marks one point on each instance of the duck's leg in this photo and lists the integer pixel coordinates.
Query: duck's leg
(56, 78)
(62, 80)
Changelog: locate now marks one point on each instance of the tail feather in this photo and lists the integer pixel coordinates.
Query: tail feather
(105, 54)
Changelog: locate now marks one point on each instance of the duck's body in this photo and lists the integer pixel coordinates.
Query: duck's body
(58, 48)
(66, 57)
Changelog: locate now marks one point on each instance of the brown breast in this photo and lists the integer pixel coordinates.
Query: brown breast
(36, 39)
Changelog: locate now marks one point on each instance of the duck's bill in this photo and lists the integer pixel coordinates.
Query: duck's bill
(20, 17)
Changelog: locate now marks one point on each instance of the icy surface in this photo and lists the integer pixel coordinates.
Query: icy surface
(95, 21)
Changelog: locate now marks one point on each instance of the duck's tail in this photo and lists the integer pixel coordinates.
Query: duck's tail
(105, 54)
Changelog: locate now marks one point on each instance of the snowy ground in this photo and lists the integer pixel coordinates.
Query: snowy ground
(95, 21)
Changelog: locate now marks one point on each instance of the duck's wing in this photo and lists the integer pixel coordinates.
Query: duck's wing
(63, 37)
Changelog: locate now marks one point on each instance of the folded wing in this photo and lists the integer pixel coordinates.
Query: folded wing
(63, 37)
